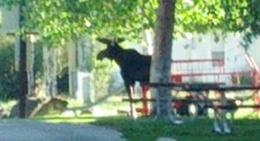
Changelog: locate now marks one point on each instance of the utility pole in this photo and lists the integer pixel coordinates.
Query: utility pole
(23, 83)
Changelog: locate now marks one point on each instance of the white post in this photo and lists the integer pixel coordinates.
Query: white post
(53, 71)
(46, 66)
(71, 48)
(30, 64)
(149, 37)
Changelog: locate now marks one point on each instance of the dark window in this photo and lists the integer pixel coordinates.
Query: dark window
(218, 55)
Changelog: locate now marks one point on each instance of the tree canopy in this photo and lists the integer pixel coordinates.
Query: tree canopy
(60, 20)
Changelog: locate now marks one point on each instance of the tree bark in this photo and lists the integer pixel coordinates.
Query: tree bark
(23, 83)
(50, 70)
(161, 58)
(30, 66)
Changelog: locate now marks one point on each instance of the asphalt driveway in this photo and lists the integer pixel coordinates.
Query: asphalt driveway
(38, 131)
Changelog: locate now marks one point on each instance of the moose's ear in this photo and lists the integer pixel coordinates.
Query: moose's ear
(104, 40)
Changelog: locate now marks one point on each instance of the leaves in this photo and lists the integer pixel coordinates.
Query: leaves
(63, 19)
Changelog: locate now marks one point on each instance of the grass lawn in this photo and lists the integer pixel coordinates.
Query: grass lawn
(245, 128)
(144, 129)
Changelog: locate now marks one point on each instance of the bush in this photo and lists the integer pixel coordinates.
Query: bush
(8, 75)
(246, 80)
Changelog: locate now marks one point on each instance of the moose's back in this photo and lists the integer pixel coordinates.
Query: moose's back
(135, 67)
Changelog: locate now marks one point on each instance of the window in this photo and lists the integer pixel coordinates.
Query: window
(217, 55)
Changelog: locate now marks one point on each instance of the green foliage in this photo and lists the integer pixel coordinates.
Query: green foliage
(9, 85)
(8, 75)
(38, 59)
(102, 75)
(242, 16)
(246, 80)
(198, 16)
(9, 3)
(60, 20)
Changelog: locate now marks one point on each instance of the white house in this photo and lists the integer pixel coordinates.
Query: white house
(204, 48)
(195, 55)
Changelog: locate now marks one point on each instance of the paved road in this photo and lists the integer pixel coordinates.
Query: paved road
(38, 131)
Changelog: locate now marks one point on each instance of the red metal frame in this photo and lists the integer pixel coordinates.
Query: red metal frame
(256, 77)
(178, 77)
(145, 110)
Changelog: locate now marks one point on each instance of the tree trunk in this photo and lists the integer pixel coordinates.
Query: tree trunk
(161, 58)
(50, 70)
(22, 66)
(22, 80)
(30, 66)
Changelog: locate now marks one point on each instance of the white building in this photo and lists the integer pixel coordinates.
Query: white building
(207, 47)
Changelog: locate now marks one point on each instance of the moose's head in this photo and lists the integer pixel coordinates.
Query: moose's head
(112, 50)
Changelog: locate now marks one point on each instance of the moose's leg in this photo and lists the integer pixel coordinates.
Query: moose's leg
(217, 126)
(220, 122)
(225, 124)
(130, 92)
(217, 121)
(132, 109)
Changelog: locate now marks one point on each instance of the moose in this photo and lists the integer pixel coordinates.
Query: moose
(134, 66)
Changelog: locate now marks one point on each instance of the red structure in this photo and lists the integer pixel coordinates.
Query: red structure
(197, 69)
(145, 110)
(256, 77)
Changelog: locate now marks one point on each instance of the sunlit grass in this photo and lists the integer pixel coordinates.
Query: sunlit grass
(7, 105)
(74, 103)
(83, 119)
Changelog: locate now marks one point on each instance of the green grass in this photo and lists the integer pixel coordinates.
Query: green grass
(246, 127)
(145, 129)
